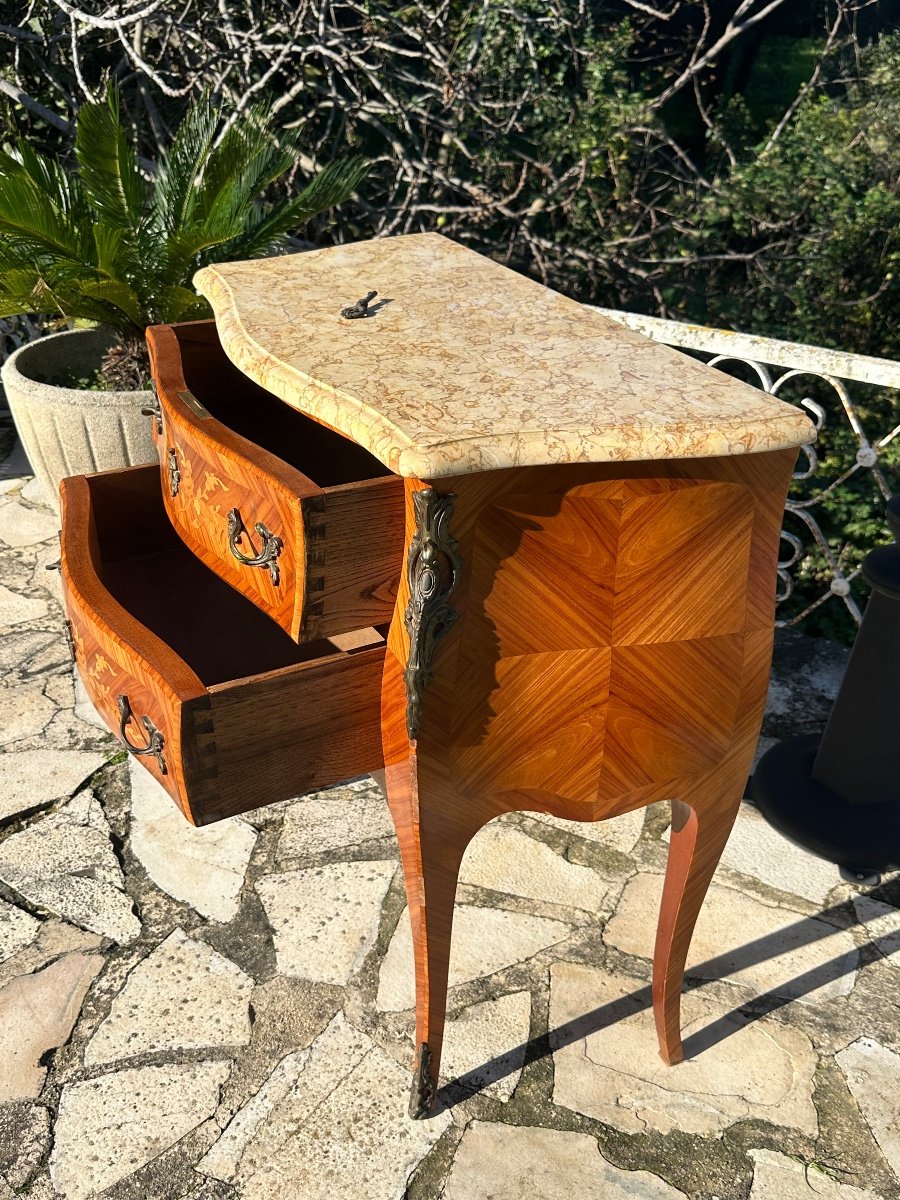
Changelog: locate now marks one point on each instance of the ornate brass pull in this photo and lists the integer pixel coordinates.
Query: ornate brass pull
(153, 410)
(174, 474)
(156, 743)
(271, 545)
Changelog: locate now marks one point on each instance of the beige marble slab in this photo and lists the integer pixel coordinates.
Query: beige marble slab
(468, 366)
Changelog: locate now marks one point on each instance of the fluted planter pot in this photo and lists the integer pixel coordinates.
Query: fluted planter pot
(68, 430)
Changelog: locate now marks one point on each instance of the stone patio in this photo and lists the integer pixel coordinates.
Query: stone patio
(197, 1014)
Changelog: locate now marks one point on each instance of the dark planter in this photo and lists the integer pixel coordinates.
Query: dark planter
(839, 796)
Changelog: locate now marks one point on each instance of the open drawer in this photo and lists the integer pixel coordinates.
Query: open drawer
(216, 701)
(301, 520)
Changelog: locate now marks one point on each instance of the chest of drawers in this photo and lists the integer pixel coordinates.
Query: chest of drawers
(484, 538)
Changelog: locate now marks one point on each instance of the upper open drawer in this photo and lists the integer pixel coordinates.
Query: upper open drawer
(301, 520)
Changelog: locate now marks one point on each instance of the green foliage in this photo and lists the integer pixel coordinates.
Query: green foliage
(817, 217)
(105, 243)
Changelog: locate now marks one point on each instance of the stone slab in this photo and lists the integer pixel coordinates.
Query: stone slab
(758, 850)
(484, 940)
(34, 493)
(778, 1177)
(85, 709)
(325, 919)
(54, 939)
(738, 938)
(15, 608)
(304, 1134)
(223, 1158)
(109, 1127)
(738, 1069)
(17, 930)
(618, 833)
(182, 996)
(334, 819)
(24, 712)
(505, 859)
(201, 867)
(37, 1013)
(880, 923)
(65, 863)
(32, 778)
(484, 1046)
(873, 1076)
(21, 525)
(23, 650)
(509, 1162)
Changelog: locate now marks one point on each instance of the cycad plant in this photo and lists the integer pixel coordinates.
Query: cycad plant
(112, 243)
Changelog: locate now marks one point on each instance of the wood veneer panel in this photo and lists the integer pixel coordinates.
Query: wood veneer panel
(115, 653)
(294, 731)
(611, 650)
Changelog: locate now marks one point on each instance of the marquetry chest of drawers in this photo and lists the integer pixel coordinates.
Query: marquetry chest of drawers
(473, 533)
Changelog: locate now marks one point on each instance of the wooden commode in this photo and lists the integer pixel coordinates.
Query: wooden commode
(483, 537)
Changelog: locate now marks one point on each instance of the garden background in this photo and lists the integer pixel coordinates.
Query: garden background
(733, 163)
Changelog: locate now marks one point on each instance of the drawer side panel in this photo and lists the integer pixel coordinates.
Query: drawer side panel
(290, 732)
(355, 540)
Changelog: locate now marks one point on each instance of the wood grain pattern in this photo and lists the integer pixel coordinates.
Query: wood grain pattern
(342, 544)
(293, 731)
(612, 649)
(248, 716)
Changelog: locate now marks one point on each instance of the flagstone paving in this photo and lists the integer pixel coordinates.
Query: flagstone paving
(199, 1014)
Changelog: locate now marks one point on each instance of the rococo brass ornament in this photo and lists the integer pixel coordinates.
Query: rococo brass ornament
(155, 743)
(174, 474)
(432, 570)
(421, 1100)
(271, 545)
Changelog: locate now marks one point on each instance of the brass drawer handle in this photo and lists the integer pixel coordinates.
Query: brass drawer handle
(154, 745)
(154, 410)
(271, 545)
(174, 474)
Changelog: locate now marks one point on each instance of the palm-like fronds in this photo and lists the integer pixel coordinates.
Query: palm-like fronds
(104, 243)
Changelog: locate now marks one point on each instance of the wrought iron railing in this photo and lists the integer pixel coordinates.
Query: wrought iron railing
(827, 562)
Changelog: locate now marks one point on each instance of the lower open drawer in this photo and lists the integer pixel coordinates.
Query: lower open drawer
(212, 697)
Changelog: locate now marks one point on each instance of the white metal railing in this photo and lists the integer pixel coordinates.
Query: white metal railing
(775, 366)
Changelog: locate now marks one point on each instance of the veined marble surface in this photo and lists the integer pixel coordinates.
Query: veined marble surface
(468, 366)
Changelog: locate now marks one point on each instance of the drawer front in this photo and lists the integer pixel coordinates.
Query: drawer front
(319, 560)
(148, 697)
(233, 515)
(135, 703)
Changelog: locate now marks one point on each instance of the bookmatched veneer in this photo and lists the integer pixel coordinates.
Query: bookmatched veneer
(611, 649)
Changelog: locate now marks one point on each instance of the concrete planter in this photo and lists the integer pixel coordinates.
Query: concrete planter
(72, 431)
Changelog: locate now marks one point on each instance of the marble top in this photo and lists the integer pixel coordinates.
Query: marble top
(468, 366)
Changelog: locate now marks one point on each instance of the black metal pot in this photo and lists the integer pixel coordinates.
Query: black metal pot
(839, 797)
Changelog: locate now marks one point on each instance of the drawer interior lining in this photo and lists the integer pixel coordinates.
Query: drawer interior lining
(250, 411)
(219, 634)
